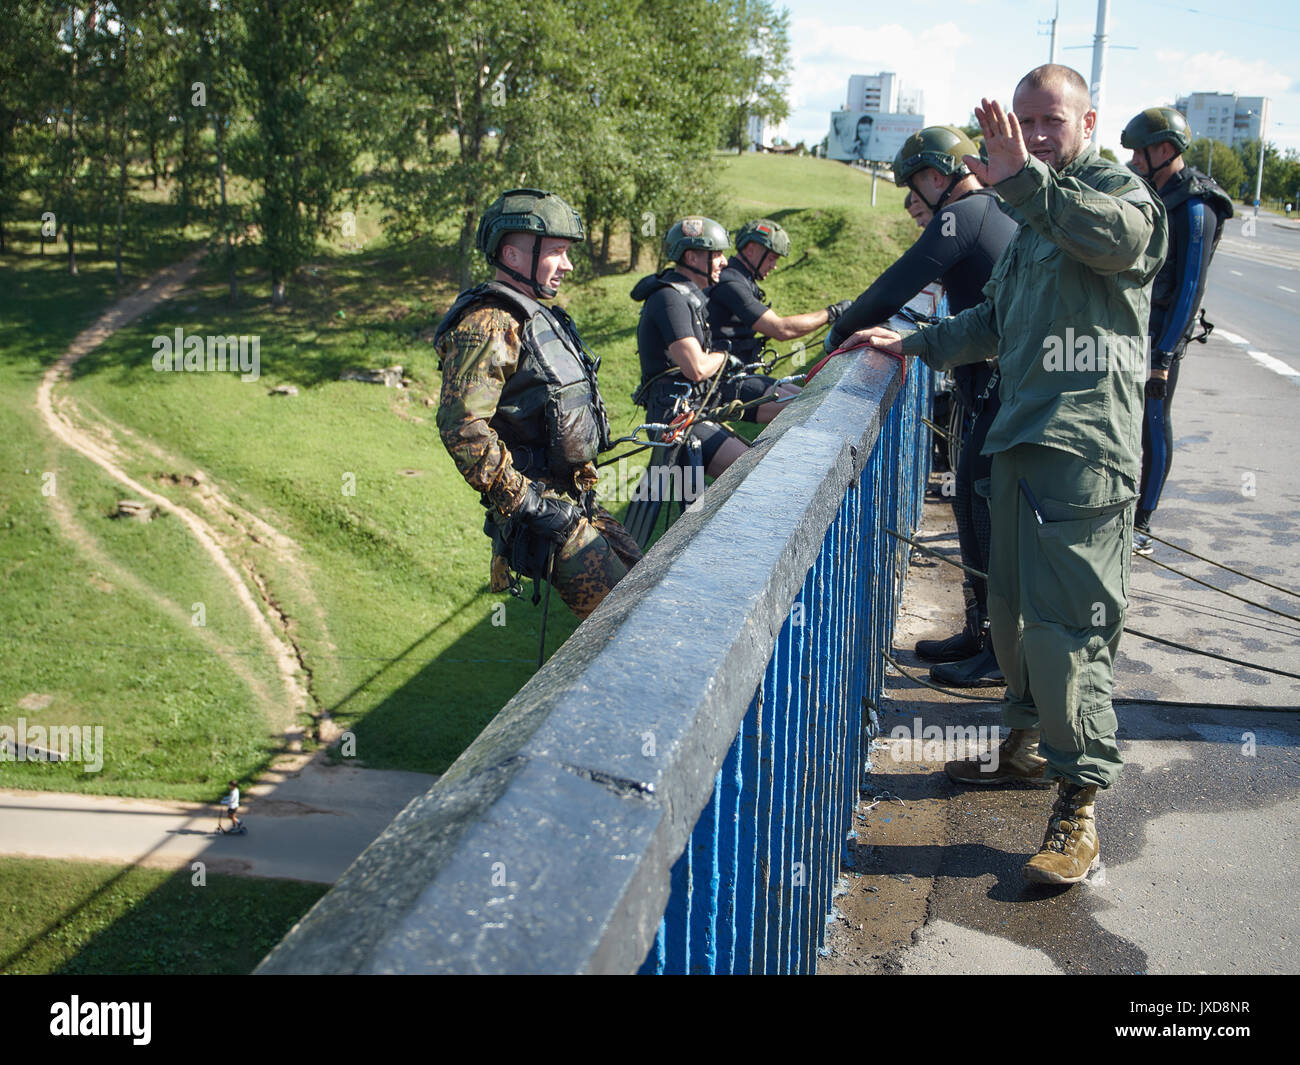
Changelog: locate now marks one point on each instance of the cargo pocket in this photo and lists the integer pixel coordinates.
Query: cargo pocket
(1100, 724)
(1075, 576)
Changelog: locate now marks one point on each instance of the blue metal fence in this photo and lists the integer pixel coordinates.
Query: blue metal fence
(752, 890)
(674, 790)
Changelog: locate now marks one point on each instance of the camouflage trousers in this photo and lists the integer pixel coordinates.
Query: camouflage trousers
(595, 557)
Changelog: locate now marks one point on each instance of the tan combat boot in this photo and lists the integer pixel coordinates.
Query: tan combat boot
(1069, 852)
(1017, 759)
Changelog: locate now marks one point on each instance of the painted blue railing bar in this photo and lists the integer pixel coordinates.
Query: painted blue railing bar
(674, 790)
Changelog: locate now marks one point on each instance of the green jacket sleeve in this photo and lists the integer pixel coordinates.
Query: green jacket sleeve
(1107, 232)
(971, 336)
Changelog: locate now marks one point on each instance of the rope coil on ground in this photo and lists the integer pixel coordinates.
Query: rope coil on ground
(1133, 632)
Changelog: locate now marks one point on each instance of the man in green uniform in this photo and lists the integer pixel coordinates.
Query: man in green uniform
(520, 411)
(1066, 315)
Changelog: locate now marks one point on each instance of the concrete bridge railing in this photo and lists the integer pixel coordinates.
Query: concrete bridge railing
(674, 790)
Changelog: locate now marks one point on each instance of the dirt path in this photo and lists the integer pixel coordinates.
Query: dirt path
(217, 530)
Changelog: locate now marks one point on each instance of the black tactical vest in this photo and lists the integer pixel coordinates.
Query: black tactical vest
(1197, 184)
(550, 414)
(654, 363)
(1186, 184)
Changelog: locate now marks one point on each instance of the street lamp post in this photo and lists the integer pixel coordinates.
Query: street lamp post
(1259, 176)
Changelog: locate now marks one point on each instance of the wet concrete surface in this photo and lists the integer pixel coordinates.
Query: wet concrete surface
(1199, 839)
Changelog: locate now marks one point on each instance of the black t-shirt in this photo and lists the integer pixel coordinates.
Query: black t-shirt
(735, 304)
(665, 318)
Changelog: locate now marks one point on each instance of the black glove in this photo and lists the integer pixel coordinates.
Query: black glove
(545, 516)
(1157, 388)
(836, 310)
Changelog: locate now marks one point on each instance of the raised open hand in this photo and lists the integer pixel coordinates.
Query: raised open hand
(1003, 142)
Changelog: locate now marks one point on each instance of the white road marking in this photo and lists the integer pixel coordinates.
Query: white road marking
(1276, 365)
(1285, 289)
(1232, 338)
(1236, 273)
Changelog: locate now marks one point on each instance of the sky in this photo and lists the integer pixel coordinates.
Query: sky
(960, 50)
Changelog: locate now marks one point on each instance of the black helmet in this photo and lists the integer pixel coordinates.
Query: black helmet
(938, 147)
(765, 232)
(694, 232)
(1156, 124)
(534, 211)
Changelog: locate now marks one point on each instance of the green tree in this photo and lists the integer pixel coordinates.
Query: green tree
(759, 70)
(1275, 184)
(1217, 160)
(302, 141)
(450, 106)
(29, 57)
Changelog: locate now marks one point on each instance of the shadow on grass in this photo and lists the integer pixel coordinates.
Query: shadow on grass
(344, 310)
(137, 920)
(426, 723)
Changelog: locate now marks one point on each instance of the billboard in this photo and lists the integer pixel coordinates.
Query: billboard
(870, 135)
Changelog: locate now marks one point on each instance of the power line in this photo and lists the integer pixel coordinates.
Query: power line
(1225, 18)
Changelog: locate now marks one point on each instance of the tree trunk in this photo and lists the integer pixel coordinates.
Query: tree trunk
(101, 189)
(465, 246)
(121, 161)
(121, 195)
(219, 130)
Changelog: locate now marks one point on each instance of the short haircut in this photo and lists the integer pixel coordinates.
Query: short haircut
(522, 241)
(1052, 75)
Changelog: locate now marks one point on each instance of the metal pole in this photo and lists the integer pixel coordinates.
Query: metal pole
(1259, 177)
(1099, 58)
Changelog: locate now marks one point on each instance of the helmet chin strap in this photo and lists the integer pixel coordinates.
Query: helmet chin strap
(1153, 170)
(934, 207)
(683, 265)
(543, 292)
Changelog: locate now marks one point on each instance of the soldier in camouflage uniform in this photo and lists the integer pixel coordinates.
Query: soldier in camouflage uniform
(520, 412)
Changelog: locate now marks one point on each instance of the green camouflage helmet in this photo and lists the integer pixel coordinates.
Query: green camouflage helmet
(694, 232)
(526, 211)
(940, 147)
(765, 232)
(1156, 124)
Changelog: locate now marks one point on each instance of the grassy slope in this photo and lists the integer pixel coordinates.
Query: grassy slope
(83, 917)
(407, 653)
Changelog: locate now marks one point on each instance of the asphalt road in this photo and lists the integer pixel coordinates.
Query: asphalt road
(1254, 287)
(1233, 493)
(1200, 839)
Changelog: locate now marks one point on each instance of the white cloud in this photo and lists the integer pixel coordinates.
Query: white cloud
(825, 54)
(1220, 72)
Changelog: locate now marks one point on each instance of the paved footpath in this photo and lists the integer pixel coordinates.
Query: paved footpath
(306, 820)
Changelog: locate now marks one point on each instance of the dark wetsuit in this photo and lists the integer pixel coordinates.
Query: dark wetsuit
(673, 310)
(958, 248)
(1197, 209)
